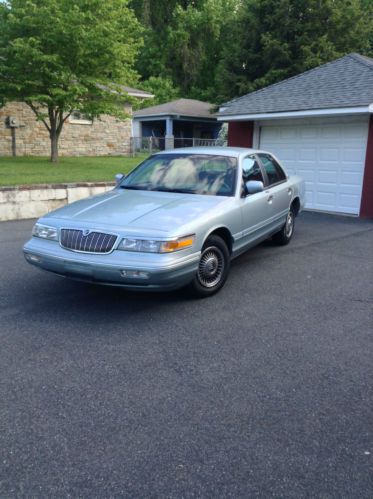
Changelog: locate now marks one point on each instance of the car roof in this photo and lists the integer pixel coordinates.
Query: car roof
(212, 150)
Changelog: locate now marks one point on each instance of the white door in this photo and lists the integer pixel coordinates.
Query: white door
(329, 156)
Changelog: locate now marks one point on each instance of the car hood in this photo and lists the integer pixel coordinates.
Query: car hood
(160, 211)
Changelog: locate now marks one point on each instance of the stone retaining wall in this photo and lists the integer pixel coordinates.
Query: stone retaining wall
(33, 201)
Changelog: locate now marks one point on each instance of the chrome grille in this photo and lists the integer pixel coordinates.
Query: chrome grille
(93, 242)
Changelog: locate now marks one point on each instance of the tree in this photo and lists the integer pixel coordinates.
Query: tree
(194, 45)
(183, 42)
(59, 56)
(274, 39)
(162, 89)
(156, 18)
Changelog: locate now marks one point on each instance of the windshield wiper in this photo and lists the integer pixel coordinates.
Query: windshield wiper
(181, 191)
(133, 187)
(157, 189)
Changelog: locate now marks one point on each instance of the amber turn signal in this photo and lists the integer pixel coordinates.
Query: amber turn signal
(177, 244)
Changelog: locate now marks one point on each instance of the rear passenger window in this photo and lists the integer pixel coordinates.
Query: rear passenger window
(251, 169)
(273, 170)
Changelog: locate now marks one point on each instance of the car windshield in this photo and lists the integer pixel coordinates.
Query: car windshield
(209, 174)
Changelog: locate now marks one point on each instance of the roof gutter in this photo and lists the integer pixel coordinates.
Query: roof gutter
(154, 116)
(162, 116)
(140, 94)
(296, 114)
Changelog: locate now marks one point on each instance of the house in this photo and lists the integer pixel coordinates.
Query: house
(320, 125)
(80, 135)
(180, 123)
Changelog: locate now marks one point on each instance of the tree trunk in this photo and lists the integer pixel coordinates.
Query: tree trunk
(54, 146)
(56, 122)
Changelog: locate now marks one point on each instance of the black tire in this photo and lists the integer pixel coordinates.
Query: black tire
(283, 236)
(213, 268)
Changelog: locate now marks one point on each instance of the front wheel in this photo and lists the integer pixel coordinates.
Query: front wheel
(284, 235)
(213, 267)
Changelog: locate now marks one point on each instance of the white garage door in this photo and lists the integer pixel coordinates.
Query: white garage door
(329, 157)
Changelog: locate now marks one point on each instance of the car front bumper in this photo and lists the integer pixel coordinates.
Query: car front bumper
(158, 271)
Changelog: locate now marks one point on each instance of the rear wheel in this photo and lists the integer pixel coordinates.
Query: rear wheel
(213, 267)
(284, 235)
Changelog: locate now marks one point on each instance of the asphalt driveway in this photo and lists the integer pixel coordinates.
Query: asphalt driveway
(264, 390)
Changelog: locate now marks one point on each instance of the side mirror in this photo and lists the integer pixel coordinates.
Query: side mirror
(254, 186)
(118, 178)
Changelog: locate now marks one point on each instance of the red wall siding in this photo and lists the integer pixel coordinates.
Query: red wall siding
(240, 133)
(366, 207)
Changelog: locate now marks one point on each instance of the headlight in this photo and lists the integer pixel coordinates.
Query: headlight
(153, 246)
(45, 232)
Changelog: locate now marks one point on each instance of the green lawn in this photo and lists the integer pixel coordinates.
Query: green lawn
(35, 170)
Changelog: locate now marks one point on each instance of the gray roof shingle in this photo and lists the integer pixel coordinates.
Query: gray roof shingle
(183, 107)
(345, 82)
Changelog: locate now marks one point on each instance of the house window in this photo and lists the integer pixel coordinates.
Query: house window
(78, 118)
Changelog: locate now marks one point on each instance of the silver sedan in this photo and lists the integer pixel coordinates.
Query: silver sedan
(176, 220)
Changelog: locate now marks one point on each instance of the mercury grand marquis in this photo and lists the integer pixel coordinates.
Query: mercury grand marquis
(176, 220)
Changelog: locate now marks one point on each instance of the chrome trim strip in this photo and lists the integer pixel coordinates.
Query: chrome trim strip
(180, 263)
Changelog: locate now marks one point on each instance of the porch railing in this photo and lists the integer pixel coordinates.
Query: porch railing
(153, 144)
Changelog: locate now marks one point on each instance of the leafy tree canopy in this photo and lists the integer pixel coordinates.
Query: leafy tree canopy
(276, 39)
(63, 55)
(184, 41)
(216, 49)
(162, 89)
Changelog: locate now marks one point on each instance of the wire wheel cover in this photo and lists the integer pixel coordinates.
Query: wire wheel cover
(289, 224)
(211, 267)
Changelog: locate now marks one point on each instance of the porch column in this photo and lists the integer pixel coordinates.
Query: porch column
(169, 137)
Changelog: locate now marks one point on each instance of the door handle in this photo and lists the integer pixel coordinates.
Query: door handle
(290, 191)
(270, 199)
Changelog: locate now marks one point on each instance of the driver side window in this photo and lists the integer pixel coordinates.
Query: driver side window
(251, 169)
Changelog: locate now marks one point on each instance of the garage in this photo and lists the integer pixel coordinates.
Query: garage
(320, 125)
(329, 156)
